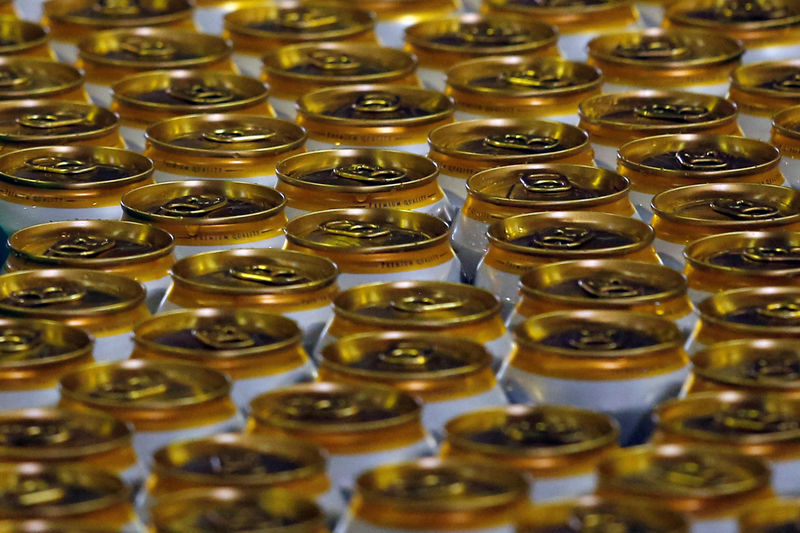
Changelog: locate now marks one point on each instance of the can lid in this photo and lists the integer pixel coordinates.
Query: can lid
(751, 253)
(787, 122)
(298, 22)
(761, 311)
(751, 364)
(117, 13)
(48, 526)
(144, 384)
(53, 121)
(27, 345)
(776, 79)
(20, 35)
(23, 78)
(551, 8)
(771, 516)
(735, 14)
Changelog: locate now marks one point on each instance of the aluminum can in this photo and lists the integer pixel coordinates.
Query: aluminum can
(786, 137)
(254, 29)
(760, 90)
(770, 516)
(615, 119)
(297, 285)
(142, 100)
(377, 244)
(258, 351)
(442, 42)
(361, 426)
(548, 88)
(370, 178)
(450, 375)
(676, 58)
(298, 69)
(222, 147)
(605, 284)
(621, 363)
(373, 116)
(210, 214)
(503, 192)
(710, 487)
(464, 148)
(395, 16)
(163, 400)
(23, 78)
(35, 354)
(140, 252)
(110, 55)
(657, 164)
(24, 38)
(104, 305)
(520, 243)
(557, 447)
(435, 495)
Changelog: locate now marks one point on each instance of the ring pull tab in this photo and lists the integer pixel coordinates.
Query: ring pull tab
(591, 521)
(484, 34)
(426, 304)
(673, 113)
(80, 246)
(18, 342)
(269, 275)
(224, 337)
(548, 430)
(658, 49)
(235, 463)
(147, 48)
(754, 420)
(545, 182)
(200, 93)
(612, 287)
(34, 435)
(355, 229)
(692, 474)
(32, 492)
(564, 237)
(524, 143)
(743, 209)
(133, 385)
(370, 173)
(307, 19)
(238, 135)
(790, 83)
(770, 255)
(11, 78)
(781, 310)
(332, 61)
(786, 368)
(751, 10)
(436, 485)
(595, 340)
(44, 296)
(46, 121)
(535, 79)
(240, 518)
(702, 160)
(117, 8)
(377, 103)
(60, 165)
(333, 408)
(193, 205)
(407, 354)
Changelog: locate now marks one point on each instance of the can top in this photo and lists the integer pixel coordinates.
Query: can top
(144, 384)
(20, 35)
(240, 460)
(771, 516)
(356, 170)
(787, 122)
(481, 34)
(255, 271)
(366, 230)
(23, 78)
(202, 202)
(296, 21)
(598, 334)
(53, 121)
(55, 434)
(323, 407)
(556, 8)
(117, 13)
(606, 282)
(189, 91)
(747, 253)
(554, 186)
(760, 311)
(751, 364)
(217, 334)
(48, 526)
(421, 304)
(60, 294)
(55, 490)
(376, 105)
(225, 135)
(508, 141)
(153, 48)
(442, 485)
(735, 14)
(28, 345)
(776, 79)
(570, 234)
(524, 77)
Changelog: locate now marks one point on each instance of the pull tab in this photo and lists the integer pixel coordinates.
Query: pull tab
(240, 518)
(147, 48)
(355, 229)
(331, 61)
(703, 160)
(673, 113)
(586, 521)
(438, 485)
(33, 492)
(743, 209)
(307, 19)
(235, 463)
(333, 408)
(269, 275)
(488, 35)
(781, 310)
(377, 103)
(224, 337)
(194, 205)
(521, 142)
(80, 246)
(19, 341)
(564, 237)
(608, 288)
(370, 173)
(545, 182)
(751, 10)
(786, 368)
(133, 385)
(770, 255)
(534, 79)
(656, 49)
(407, 354)
(12, 79)
(35, 435)
(43, 296)
(548, 430)
(691, 474)
(46, 121)
(595, 340)
(60, 165)
(200, 94)
(790, 83)
(754, 420)
(238, 135)
(426, 304)
(116, 8)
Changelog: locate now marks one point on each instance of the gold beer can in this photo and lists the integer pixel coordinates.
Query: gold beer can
(222, 147)
(464, 148)
(604, 284)
(395, 16)
(361, 426)
(137, 251)
(452, 310)
(436, 495)
(34, 354)
(771, 517)
(558, 447)
(621, 363)
(142, 100)
(23, 38)
(58, 436)
(298, 69)
(370, 178)
(440, 43)
(760, 90)
(503, 192)
(450, 375)
(211, 214)
(23, 78)
(104, 305)
(657, 164)
(110, 55)
(376, 244)
(615, 119)
(520, 243)
(548, 88)
(786, 137)
(163, 400)
(258, 351)
(677, 58)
